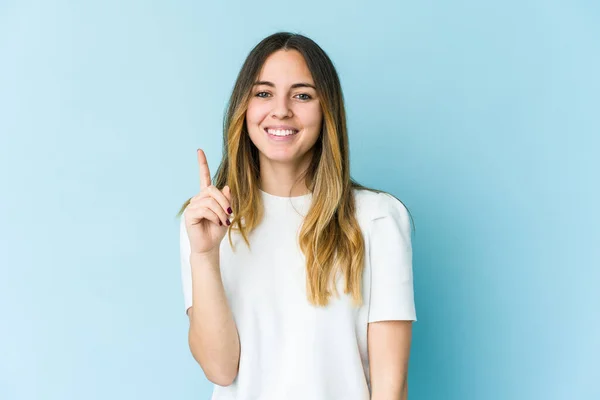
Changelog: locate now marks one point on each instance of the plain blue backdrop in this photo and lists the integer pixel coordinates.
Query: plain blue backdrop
(483, 117)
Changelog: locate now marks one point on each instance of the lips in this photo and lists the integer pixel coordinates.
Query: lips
(281, 131)
(281, 134)
(281, 128)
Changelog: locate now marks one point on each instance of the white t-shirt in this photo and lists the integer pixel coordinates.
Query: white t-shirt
(291, 349)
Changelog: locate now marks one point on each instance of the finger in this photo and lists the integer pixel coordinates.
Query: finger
(220, 197)
(203, 194)
(208, 214)
(227, 193)
(212, 204)
(204, 171)
(198, 213)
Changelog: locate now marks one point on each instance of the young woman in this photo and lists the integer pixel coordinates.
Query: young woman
(311, 295)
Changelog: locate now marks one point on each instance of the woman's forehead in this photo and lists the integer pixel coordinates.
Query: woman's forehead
(285, 67)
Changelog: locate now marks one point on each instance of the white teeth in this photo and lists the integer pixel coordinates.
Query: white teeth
(281, 132)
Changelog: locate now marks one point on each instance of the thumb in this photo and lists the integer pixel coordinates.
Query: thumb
(227, 192)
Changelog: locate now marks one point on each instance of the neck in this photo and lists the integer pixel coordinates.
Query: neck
(283, 179)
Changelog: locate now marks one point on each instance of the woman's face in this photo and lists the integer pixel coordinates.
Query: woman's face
(284, 114)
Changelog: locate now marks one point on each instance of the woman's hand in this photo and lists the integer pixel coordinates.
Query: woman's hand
(207, 215)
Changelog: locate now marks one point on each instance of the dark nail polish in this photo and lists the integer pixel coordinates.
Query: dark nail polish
(227, 222)
(229, 210)
(220, 223)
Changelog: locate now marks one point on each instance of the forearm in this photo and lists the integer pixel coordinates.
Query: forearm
(395, 392)
(213, 336)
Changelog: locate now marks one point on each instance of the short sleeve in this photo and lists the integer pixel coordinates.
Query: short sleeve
(390, 257)
(186, 269)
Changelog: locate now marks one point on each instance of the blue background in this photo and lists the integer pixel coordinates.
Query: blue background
(483, 117)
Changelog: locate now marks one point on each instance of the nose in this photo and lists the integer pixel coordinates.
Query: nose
(281, 108)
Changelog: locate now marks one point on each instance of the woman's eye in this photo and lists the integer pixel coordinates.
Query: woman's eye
(302, 96)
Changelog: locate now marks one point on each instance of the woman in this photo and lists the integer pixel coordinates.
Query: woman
(311, 295)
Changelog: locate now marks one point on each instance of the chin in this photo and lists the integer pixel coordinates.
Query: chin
(280, 158)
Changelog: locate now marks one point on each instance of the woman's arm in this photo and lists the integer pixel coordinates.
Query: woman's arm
(389, 349)
(213, 336)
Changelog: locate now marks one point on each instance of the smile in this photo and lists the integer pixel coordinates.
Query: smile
(281, 135)
(281, 132)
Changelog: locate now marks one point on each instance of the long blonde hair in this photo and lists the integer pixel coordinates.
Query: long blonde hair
(330, 236)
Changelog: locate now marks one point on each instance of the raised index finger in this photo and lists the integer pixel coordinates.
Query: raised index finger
(204, 172)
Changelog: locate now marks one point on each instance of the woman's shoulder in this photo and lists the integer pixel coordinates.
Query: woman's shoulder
(372, 204)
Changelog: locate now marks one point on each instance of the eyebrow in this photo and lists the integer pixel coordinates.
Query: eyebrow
(294, 86)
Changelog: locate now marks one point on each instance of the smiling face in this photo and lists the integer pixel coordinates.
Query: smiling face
(284, 113)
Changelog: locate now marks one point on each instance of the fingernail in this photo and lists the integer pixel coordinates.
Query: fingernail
(220, 223)
(229, 210)
(227, 221)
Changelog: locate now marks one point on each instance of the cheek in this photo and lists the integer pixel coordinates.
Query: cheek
(256, 113)
(311, 116)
